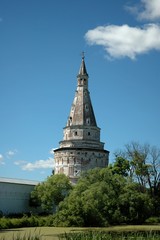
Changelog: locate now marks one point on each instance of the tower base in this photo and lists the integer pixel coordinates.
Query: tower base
(73, 161)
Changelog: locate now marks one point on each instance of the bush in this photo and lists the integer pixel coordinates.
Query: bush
(32, 221)
(153, 220)
(48, 221)
(5, 223)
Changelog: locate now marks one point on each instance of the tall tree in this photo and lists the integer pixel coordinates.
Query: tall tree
(144, 165)
(121, 166)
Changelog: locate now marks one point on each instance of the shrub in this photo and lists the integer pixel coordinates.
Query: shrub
(153, 220)
(32, 221)
(48, 221)
(5, 223)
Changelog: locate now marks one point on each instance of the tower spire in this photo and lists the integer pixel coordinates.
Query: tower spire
(83, 70)
(82, 112)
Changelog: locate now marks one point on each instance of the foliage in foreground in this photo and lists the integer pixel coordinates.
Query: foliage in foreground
(102, 198)
(33, 236)
(92, 235)
(33, 221)
(95, 235)
(128, 191)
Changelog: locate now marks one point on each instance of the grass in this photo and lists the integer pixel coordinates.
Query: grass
(97, 235)
(53, 233)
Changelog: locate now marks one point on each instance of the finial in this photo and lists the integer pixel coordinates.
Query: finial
(83, 55)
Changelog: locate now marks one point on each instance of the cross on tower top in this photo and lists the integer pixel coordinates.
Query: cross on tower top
(83, 55)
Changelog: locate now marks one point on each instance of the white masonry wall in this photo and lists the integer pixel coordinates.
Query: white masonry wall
(14, 195)
(72, 162)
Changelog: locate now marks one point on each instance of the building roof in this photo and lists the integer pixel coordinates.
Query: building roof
(18, 181)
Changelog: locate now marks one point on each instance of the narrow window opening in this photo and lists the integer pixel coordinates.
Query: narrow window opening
(88, 121)
(86, 107)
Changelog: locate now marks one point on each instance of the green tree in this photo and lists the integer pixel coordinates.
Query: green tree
(51, 192)
(135, 206)
(100, 198)
(121, 166)
(145, 162)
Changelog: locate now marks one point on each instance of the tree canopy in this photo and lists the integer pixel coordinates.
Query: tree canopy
(128, 191)
(51, 192)
(101, 198)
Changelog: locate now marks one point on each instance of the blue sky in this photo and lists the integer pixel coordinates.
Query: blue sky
(40, 55)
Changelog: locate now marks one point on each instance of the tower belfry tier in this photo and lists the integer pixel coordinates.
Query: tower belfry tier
(80, 149)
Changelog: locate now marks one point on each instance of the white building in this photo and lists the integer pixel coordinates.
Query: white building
(15, 194)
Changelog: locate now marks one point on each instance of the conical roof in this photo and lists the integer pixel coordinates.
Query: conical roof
(82, 70)
(82, 111)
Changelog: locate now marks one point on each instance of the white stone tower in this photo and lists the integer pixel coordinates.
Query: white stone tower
(80, 149)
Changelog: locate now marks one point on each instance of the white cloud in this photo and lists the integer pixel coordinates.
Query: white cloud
(151, 10)
(52, 151)
(125, 41)
(20, 162)
(40, 164)
(1, 160)
(148, 10)
(11, 153)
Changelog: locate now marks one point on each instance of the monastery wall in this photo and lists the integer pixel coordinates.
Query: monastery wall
(14, 196)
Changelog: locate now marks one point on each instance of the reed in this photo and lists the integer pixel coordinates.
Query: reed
(95, 235)
(30, 236)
